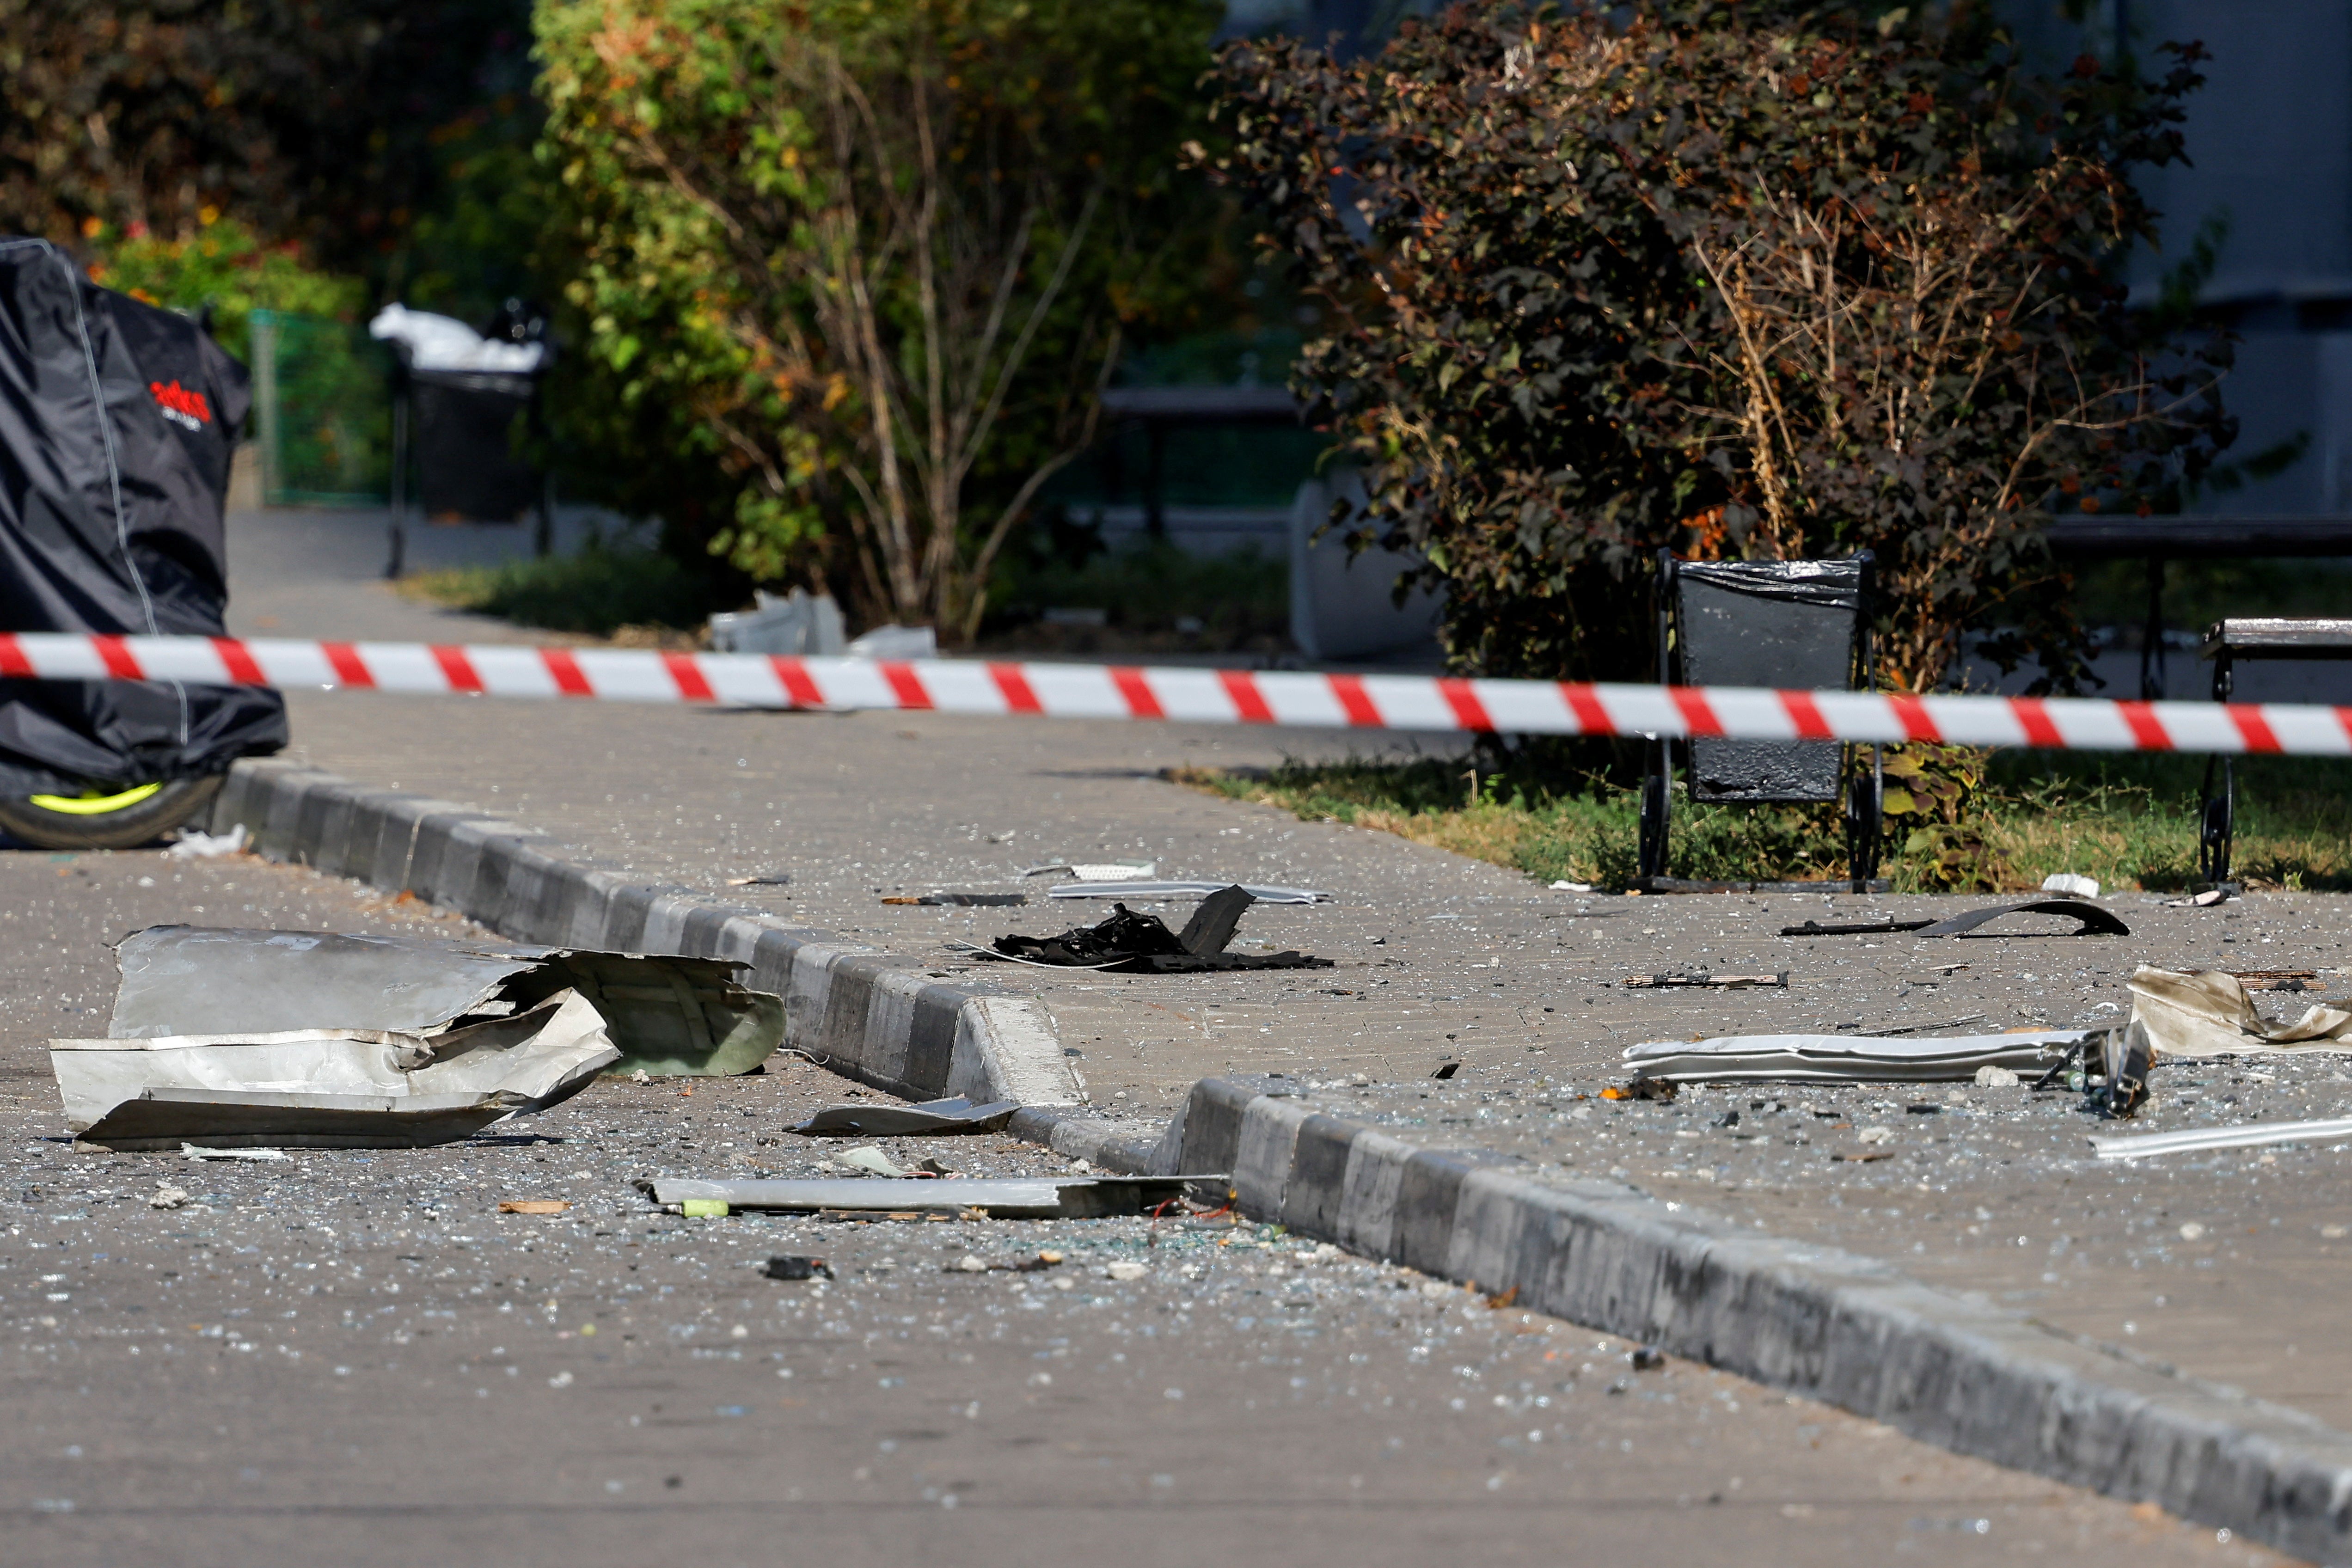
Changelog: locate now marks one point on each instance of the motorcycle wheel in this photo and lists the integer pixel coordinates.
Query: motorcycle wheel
(100, 819)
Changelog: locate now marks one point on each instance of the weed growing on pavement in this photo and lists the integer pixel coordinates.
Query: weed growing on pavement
(2126, 820)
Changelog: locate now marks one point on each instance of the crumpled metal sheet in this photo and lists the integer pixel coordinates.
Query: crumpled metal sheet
(1073, 1197)
(329, 1088)
(2208, 1013)
(667, 1016)
(1848, 1058)
(199, 980)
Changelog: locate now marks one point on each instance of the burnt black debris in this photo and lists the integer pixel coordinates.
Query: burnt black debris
(1134, 944)
(2092, 920)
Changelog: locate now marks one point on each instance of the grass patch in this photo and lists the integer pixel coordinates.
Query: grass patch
(2129, 821)
(600, 592)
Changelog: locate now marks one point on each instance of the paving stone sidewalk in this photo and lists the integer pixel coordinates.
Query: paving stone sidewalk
(351, 1357)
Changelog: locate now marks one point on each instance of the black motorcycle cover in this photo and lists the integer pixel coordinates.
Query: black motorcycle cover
(117, 421)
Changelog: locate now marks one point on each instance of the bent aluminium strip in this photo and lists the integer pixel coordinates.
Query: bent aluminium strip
(2192, 1140)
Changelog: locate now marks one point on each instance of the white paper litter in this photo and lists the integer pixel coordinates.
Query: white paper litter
(2196, 1138)
(2071, 885)
(196, 845)
(1848, 1058)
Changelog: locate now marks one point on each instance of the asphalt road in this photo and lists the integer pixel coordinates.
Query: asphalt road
(351, 1357)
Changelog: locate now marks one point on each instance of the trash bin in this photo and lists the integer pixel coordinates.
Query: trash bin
(114, 465)
(464, 432)
(458, 399)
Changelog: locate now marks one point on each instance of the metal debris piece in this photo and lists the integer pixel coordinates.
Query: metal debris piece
(1643, 1087)
(664, 1015)
(2120, 1087)
(1263, 893)
(1446, 1069)
(1722, 981)
(790, 1266)
(2193, 1139)
(931, 1118)
(332, 1088)
(1142, 944)
(1108, 872)
(1849, 1059)
(197, 1152)
(2093, 920)
(1058, 1197)
(1944, 1027)
(767, 880)
(963, 900)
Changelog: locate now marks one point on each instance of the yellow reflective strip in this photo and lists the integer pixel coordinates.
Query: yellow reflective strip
(94, 805)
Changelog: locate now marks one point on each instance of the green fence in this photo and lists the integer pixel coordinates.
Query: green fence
(321, 411)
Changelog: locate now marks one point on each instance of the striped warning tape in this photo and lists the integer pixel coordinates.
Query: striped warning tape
(1197, 696)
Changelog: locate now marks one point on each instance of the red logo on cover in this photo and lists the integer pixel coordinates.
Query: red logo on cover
(181, 407)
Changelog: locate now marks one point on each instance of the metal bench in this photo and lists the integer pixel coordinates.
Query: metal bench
(2226, 641)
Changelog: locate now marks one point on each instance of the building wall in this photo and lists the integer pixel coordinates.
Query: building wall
(2270, 148)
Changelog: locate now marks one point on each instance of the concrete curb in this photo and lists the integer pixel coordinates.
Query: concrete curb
(1847, 1330)
(872, 1017)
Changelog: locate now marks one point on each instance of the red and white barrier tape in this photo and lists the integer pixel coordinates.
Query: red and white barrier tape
(1195, 696)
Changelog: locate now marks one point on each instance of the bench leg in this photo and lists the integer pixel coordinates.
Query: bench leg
(1657, 796)
(1865, 820)
(2217, 822)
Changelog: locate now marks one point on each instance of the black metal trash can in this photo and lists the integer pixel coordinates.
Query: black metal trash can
(458, 421)
(466, 427)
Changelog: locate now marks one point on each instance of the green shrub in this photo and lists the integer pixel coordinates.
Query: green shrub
(1763, 282)
(598, 592)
